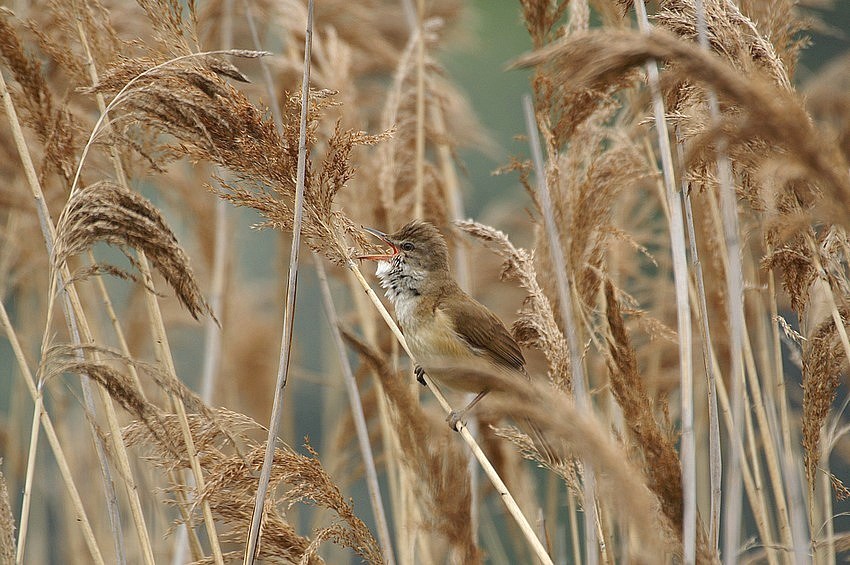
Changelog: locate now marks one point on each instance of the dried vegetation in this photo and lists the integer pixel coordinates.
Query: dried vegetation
(141, 126)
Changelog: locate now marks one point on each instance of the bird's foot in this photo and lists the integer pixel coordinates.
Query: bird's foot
(420, 374)
(454, 418)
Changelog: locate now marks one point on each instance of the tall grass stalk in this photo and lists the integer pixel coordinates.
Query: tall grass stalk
(683, 310)
(71, 315)
(212, 329)
(357, 412)
(30, 474)
(715, 453)
(52, 438)
(419, 187)
(592, 523)
(136, 513)
(735, 292)
(289, 307)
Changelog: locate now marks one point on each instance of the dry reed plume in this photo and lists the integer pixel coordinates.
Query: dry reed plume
(136, 130)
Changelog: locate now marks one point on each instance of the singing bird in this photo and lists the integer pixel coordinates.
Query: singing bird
(454, 338)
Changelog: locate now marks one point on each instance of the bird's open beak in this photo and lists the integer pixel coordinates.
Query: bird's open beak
(393, 251)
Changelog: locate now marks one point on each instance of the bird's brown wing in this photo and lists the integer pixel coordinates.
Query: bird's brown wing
(485, 333)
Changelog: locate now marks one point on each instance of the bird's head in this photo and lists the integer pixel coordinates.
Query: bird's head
(417, 250)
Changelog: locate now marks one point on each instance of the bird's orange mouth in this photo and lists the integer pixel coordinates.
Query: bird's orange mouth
(391, 252)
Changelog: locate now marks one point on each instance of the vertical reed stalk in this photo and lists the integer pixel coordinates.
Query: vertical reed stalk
(683, 311)
(827, 556)
(582, 398)
(753, 494)
(715, 452)
(796, 505)
(136, 513)
(419, 188)
(735, 314)
(396, 473)
(357, 415)
(289, 308)
(212, 330)
(71, 314)
(35, 428)
(64, 469)
(778, 366)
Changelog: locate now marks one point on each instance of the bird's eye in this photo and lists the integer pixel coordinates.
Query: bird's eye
(407, 246)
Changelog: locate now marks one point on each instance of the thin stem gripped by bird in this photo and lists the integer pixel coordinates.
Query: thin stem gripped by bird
(508, 499)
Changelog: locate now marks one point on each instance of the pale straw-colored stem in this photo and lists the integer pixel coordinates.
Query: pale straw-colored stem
(771, 457)
(212, 329)
(826, 557)
(778, 366)
(73, 316)
(767, 440)
(419, 187)
(714, 450)
(758, 500)
(64, 469)
(752, 454)
(212, 338)
(796, 502)
(396, 472)
(565, 303)
(735, 313)
(358, 416)
(792, 483)
(755, 497)
(486, 465)
(251, 545)
(574, 535)
(26, 499)
(165, 357)
(683, 310)
(123, 458)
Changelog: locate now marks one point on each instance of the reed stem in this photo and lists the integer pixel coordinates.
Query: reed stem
(251, 546)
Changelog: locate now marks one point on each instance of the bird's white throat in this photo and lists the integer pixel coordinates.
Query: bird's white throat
(400, 281)
(383, 269)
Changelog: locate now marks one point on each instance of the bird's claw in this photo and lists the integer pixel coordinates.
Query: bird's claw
(420, 374)
(453, 419)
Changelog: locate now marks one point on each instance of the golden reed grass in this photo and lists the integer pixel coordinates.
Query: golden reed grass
(136, 118)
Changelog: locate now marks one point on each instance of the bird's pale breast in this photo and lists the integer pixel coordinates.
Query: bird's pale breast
(437, 347)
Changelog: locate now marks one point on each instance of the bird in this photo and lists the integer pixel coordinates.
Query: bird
(454, 339)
